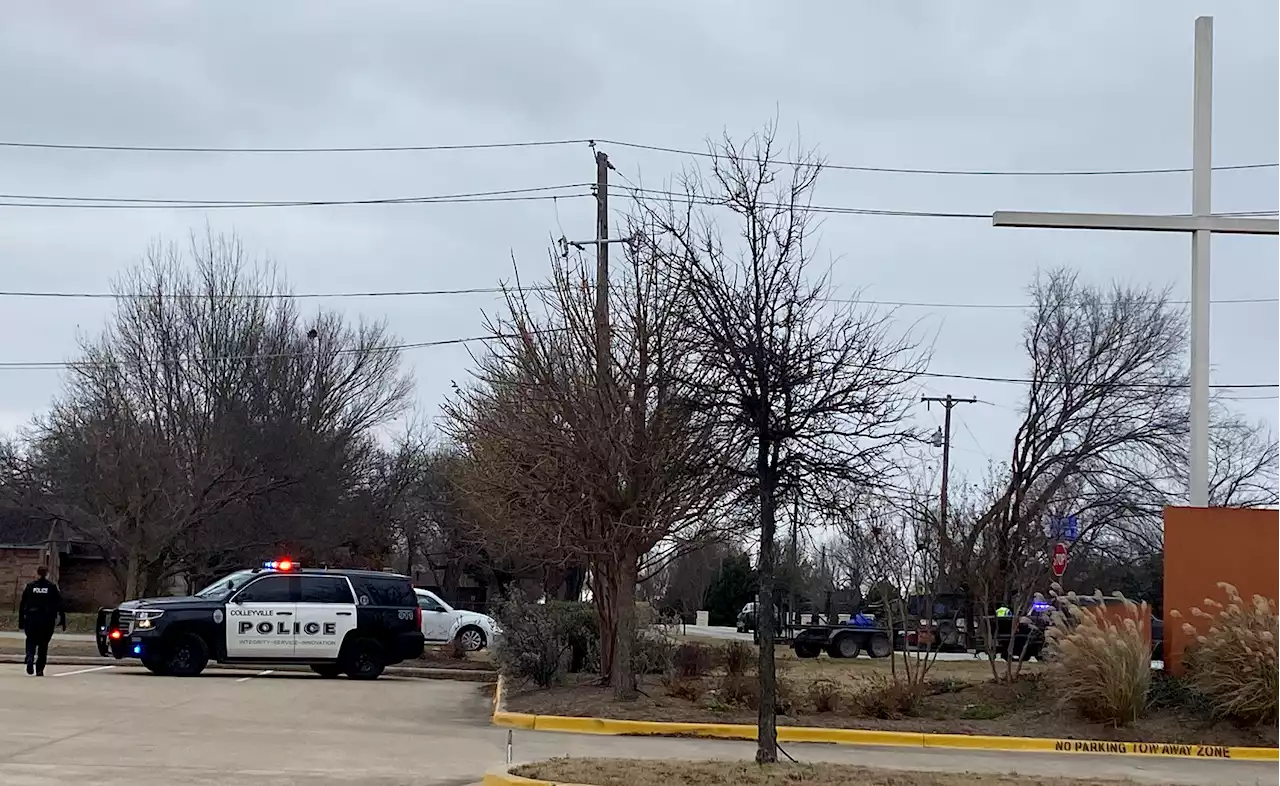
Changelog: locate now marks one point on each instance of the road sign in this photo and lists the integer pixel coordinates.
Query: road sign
(1065, 527)
(1059, 559)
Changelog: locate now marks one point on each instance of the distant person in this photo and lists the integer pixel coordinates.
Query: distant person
(40, 609)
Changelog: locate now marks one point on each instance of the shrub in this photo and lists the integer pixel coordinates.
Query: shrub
(532, 646)
(692, 659)
(885, 698)
(453, 650)
(1101, 658)
(738, 690)
(579, 627)
(737, 657)
(824, 695)
(687, 688)
(652, 652)
(1234, 663)
(945, 685)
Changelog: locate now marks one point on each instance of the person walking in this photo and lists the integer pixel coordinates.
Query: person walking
(40, 609)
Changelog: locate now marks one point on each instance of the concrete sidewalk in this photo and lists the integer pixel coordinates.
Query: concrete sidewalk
(532, 746)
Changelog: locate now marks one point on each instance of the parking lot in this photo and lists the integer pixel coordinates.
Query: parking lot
(121, 725)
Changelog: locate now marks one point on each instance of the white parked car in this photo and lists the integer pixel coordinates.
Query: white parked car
(442, 623)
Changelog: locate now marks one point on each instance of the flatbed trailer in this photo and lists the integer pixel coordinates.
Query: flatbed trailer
(842, 641)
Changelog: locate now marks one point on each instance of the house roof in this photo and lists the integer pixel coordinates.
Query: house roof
(24, 528)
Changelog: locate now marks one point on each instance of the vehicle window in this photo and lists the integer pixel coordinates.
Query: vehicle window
(270, 589)
(325, 589)
(428, 603)
(389, 591)
(226, 584)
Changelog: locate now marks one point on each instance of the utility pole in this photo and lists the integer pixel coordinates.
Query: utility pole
(603, 351)
(601, 242)
(948, 404)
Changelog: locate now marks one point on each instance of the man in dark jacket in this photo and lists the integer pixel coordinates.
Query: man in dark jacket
(41, 607)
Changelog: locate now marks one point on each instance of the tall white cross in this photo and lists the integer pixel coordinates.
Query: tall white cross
(1201, 223)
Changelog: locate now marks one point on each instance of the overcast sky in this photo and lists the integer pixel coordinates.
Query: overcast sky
(949, 85)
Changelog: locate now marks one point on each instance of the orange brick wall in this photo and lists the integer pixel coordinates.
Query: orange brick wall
(1203, 546)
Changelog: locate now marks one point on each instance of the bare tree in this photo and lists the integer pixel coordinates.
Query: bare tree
(205, 403)
(572, 470)
(802, 390)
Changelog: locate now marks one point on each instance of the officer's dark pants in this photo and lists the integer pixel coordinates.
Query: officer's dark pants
(38, 636)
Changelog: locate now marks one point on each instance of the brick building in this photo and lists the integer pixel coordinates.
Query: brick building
(29, 539)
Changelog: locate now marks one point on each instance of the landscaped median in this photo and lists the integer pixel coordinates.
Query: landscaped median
(730, 731)
(633, 772)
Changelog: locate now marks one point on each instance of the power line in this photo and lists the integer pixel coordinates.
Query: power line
(534, 193)
(590, 141)
(62, 364)
(354, 149)
(44, 365)
(959, 172)
(262, 295)
(1127, 385)
(637, 193)
(536, 288)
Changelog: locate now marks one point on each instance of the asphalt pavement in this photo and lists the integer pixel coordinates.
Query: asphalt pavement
(120, 726)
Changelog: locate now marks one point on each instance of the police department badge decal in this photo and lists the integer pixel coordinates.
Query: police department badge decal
(217, 615)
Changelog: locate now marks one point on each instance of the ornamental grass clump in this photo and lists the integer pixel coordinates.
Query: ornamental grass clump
(1100, 657)
(1233, 660)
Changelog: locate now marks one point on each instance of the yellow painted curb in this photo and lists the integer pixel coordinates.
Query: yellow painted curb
(506, 779)
(730, 731)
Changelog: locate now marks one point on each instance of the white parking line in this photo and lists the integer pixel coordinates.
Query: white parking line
(81, 671)
(259, 674)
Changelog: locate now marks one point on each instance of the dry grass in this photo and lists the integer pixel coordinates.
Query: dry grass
(629, 772)
(1234, 662)
(1101, 662)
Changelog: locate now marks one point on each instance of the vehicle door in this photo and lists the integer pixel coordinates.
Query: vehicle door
(437, 620)
(261, 617)
(326, 613)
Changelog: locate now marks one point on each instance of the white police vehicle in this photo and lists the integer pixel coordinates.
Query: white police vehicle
(353, 622)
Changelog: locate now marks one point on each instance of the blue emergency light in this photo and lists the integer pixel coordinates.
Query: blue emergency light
(280, 564)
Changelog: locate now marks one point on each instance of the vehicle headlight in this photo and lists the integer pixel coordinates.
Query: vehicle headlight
(146, 618)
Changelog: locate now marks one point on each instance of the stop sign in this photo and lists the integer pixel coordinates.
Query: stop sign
(1059, 559)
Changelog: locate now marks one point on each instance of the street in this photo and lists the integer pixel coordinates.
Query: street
(119, 726)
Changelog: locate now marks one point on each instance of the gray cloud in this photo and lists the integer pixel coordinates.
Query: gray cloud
(994, 85)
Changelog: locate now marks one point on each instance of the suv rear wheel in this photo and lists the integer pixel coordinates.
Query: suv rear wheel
(364, 660)
(187, 655)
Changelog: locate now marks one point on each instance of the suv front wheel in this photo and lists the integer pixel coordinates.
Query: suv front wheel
(187, 656)
(364, 660)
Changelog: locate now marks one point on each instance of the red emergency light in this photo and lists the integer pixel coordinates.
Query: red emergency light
(115, 635)
(280, 564)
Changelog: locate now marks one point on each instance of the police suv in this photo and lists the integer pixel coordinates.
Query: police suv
(353, 622)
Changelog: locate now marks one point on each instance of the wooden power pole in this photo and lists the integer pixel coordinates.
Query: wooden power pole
(948, 403)
(603, 350)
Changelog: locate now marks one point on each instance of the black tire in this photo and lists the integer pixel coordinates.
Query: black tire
(364, 660)
(879, 646)
(186, 655)
(807, 650)
(327, 670)
(846, 646)
(156, 666)
(471, 639)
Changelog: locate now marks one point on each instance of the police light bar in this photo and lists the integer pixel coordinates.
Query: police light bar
(280, 564)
